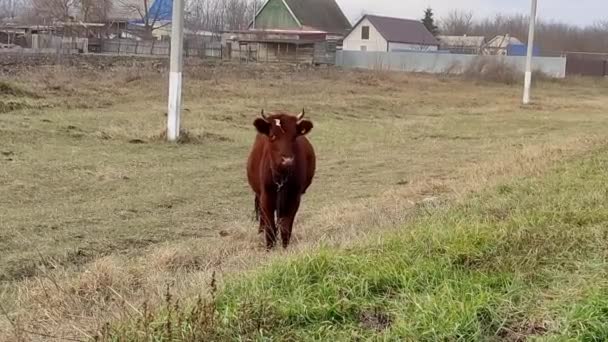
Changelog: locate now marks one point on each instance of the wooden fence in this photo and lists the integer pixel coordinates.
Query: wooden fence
(156, 48)
(282, 51)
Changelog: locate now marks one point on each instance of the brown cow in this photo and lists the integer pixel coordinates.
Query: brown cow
(280, 169)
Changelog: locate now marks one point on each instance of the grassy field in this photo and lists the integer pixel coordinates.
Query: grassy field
(523, 261)
(99, 215)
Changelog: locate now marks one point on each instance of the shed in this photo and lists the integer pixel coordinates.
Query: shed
(376, 33)
(467, 45)
(12, 34)
(293, 46)
(499, 45)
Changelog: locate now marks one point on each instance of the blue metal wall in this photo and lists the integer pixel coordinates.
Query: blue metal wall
(521, 50)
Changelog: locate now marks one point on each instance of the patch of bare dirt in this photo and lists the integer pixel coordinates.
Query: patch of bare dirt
(375, 320)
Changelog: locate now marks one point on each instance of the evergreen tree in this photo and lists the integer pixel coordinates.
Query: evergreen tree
(429, 22)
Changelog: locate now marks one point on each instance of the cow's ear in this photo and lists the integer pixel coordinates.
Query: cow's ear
(304, 127)
(262, 126)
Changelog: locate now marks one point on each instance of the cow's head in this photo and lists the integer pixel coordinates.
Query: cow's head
(282, 131)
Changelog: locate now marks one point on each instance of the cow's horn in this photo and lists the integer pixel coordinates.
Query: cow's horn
(301, 115)
(264, 115)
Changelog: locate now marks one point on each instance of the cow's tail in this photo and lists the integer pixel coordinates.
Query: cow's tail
(281, 205)
(256, 209)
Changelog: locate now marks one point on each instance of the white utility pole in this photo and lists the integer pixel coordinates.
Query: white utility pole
(175, 75)
(528, 77)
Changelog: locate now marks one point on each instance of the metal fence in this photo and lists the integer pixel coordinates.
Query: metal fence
(441, 62)
(282, 51)
(587, 64)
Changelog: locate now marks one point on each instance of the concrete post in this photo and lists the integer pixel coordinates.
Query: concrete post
(528, 76)
(175, 75)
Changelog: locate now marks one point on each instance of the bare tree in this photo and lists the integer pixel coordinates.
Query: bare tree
(553, 37)
(53, 9)
(10, 9)
(218, 15)
(95, 10)
(457, 23)
(141, 9)
(5, 9)
(235, 14)
(205, 15)
(601, 25)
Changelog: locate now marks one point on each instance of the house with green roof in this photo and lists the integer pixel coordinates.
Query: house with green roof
(302, 15)
(296, 31)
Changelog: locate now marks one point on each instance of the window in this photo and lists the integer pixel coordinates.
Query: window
(363, 48)
(365, 32)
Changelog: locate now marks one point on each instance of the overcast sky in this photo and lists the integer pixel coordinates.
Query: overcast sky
(581, 12)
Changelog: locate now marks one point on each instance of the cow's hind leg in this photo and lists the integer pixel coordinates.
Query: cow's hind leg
(286, 222)
(258, 215)
(268, 206)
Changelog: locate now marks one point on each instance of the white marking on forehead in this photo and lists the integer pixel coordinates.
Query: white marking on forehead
(277, 122)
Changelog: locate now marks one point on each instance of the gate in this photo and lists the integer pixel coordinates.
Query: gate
(587, 65)
(325, 52)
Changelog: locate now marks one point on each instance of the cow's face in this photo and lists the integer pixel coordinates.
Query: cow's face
(282, 131)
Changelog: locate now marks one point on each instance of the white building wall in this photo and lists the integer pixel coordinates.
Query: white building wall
(353, 41)
(411, 47)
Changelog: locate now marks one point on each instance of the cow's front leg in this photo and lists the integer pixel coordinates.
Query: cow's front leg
(268, 206)
(286, 222)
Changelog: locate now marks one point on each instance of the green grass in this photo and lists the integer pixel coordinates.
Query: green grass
(525, 260)
(97, 210)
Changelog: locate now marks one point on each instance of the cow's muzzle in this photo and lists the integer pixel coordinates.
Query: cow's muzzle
(286, 161)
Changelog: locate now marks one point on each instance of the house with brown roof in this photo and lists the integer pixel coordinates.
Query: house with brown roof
(376, 33)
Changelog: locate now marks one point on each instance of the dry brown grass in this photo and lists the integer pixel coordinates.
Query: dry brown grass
(103, 215)
(497, 71)
(492, 70)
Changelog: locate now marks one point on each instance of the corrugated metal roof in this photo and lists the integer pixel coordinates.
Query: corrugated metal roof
(503, 41)
(316, 15)
(320, 14)
(462, 41)
(161, 10)
(279, 41)
(280, 31)
(133, 10)
(399, 30)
